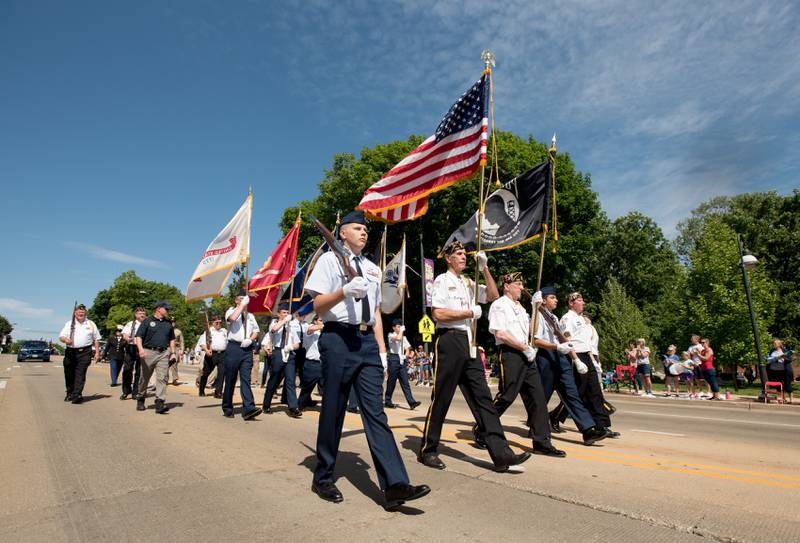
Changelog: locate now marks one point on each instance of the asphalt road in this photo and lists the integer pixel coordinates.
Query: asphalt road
(100, 471)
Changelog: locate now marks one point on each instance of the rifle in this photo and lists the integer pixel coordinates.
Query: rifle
(550, 318)
(337, 247)
(208, 332)
(72, 326)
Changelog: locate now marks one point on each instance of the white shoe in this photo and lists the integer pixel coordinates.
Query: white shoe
(649, 395)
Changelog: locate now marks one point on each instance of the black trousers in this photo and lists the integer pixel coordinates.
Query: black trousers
(520, 377)
(131, 370)
(312, 371)
(453, 366)
(216, 360)
(281, 369)
(590, 393)
(350, 361)
(395, 371)
(76, 362)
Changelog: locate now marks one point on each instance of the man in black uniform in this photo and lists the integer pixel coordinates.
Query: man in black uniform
(155, 341)
(131, 366)
(354, 356)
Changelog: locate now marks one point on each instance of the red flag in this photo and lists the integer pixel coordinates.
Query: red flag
(276, 272)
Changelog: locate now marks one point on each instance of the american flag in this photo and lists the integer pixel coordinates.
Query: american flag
(452, 153)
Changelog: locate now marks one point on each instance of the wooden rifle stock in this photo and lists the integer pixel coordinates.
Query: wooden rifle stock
(550, 318)
(72, 325)
(337, 247)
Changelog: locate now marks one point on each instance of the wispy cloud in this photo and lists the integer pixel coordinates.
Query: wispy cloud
(115, 256)
(22, 308)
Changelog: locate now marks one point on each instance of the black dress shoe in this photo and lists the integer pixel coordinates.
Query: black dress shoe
(413, 405)
(593, 435)
(201, 394)
(161, 407)
(218, 396)
(514, 460)
(389, 405)
(295, 413)
(140, 405)
(327, 491)
(123, 396)
(228, 415)
(555, 428)
(612, 434)
(478, 438)
(311, 403)
(397, 495)
(266, 409)
(353, 410)
(67, 397)
(253, 413)
(77, 399)
(547, 449)
(431, 460)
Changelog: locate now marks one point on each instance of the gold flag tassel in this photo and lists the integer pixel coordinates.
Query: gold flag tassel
(551, 155)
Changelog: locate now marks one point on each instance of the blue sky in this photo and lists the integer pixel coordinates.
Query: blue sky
(130, 131)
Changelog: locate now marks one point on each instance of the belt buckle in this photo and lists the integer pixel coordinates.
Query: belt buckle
(362, 327)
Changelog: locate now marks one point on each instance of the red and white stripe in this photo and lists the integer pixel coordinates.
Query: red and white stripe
(402, 194)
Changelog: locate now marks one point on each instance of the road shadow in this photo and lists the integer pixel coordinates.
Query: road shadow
(350, 466)
(94, 397)
(413, 444)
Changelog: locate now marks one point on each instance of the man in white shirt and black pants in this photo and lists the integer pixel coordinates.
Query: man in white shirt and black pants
(354, 356)
(312, 365)
(214, 356)
(239, 358)
(519, 374)
(285, 336)
(396, 370)
(132, 366)
(456, 362)
(79, 335)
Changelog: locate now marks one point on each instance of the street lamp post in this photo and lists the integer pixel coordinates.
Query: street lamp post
(748, 262)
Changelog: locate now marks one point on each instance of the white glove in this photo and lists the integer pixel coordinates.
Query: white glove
(285, 352)
(402, 329)
(245, 301)
(384, 361)
(476, 312)
(564, 348)
(246, 343)
(356, 288)
(530, 353)
(537, 297)
(482, 260)
(580, 366)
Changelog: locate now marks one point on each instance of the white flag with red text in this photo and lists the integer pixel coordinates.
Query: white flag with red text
(229, 248)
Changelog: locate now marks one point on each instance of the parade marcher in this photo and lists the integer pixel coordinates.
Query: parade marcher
(284, 334)
(81, 336)
(555, 368)
(266, 355)
(179, 349)
(115, 351)
(214, 356)
(519, 374)
(132, 366)
(353, 355)
(155, 341)
(397, 346)
(239, 358)
(456, 363)
(312, 367)
(590, 391)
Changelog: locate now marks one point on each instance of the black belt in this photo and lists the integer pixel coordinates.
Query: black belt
(157, 349)
(346, 327)
(442, 331)
(507, 348)
(79, 349)
(217, 351)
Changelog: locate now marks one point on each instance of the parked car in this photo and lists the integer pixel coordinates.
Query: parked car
(34, 350)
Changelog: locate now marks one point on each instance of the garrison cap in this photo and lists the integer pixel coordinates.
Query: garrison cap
(283, 307)
(356, 217)
(572, 296)
(165, 304)
(511, 277)
(80, 306)
(452, 247)
(548, 291)
(397, 322)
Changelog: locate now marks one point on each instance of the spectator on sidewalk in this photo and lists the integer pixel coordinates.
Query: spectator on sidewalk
(672, 369)
(707, 367)
(687, 374)
(779, 368)
(643, 366)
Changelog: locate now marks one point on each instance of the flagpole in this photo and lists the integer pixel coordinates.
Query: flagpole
(488, 59)
(405, 286)
(551, 157)
(294, 271)
(247, 262)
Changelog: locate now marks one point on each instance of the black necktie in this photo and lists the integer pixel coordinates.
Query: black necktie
(365, 299)
(282, 342)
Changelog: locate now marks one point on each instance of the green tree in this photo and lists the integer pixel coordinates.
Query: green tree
(5, 326)
(619, 322)
(716, 297)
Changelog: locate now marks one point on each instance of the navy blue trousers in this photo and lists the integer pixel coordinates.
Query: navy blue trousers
(238, 363)
(395, 371)
(282, 369)
(556, 374)
(312, 371)
(350, 360)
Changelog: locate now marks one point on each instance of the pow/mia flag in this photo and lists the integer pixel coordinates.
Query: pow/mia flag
(514, 213)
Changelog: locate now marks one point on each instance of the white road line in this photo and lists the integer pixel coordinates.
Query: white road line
(16, 366)
(38, 366)
(57, 366)
(714, 419)
(659, 433)
(3, 384)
